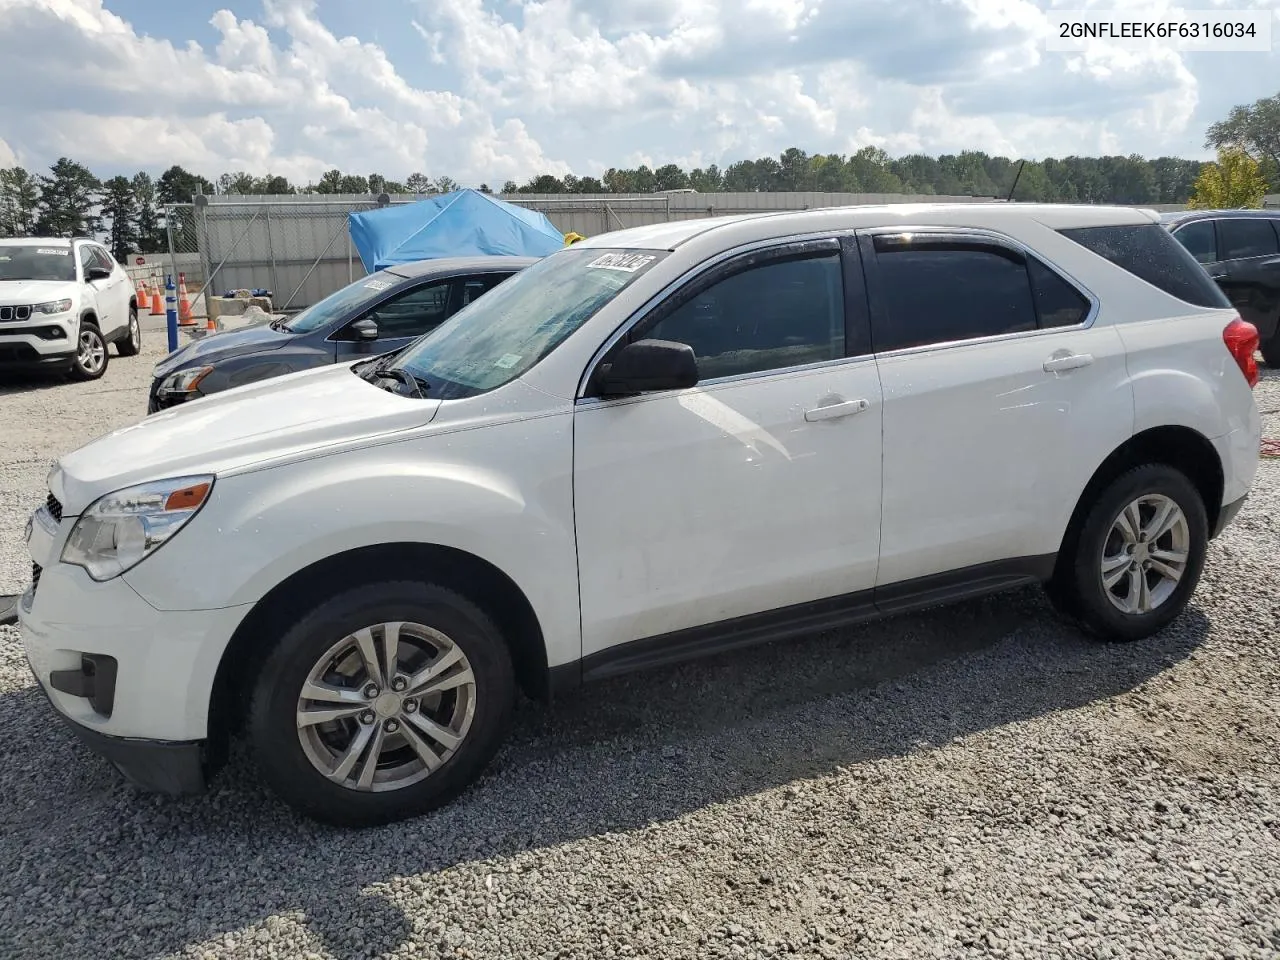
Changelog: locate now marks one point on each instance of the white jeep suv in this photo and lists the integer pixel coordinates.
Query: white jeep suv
(61, 303)
(651, 445)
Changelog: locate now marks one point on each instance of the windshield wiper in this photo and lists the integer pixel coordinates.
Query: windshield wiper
(280, 324)
(383, 369)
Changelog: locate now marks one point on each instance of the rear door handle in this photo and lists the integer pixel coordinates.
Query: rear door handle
(1070, 362)
(833, 411)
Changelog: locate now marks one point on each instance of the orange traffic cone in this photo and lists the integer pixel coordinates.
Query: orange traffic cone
(157, 304)
(185, 319)
(140, 294)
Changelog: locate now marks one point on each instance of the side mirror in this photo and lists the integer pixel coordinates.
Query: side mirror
(96, 273)
(649, 365)
(366, 329)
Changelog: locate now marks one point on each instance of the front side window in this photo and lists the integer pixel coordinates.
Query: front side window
(34, 262)
(103, 259)
(86, 259)
(343, 303)
(1198, 237)
(1243, 238)
(412, 314)
(778, 314)
(500, 336)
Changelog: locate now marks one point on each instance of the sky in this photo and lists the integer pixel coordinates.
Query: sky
(490, 90)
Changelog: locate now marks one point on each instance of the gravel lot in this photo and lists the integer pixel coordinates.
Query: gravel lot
(974, 782)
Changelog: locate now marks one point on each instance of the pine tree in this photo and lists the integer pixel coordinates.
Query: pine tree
(120, 207)
(68, 199)
(19, 198)
(147, 221)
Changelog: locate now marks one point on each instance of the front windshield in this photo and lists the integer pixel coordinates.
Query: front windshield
(344, 302)
(34, 262)
(498, 337)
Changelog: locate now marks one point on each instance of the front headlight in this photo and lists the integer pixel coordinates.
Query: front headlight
(53, 306)
(184, 381)
(121, 529)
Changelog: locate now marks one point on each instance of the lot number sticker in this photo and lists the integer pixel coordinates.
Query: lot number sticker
(627, 262)
(46, 252)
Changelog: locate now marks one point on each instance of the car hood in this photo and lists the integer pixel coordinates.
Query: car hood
(276, 419)
(34, 291)
(230, 343)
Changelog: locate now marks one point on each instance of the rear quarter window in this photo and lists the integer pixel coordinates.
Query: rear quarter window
(1149, 252)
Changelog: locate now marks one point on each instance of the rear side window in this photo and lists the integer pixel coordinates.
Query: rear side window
(1242, 238)
(1149, 252)
(1199, 240)
(940, 291)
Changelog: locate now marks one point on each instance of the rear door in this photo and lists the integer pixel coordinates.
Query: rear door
(1000, 399)
(1249, 271)
(117, 289)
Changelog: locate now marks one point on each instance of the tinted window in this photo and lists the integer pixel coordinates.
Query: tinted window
(86, 259)
(103, 259)
(944, 291)
(414, 313)
(1058, 303)
(1243, 238)
(778, 314)
(1148, 251)
(1199, 240)
(474, 287)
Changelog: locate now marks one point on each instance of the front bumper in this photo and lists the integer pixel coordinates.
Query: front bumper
(157, 766)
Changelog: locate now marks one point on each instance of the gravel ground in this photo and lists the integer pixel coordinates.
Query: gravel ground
(979, 781)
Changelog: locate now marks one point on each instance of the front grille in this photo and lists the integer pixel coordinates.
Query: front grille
(36, 570)
(15, 313)
(54, 506)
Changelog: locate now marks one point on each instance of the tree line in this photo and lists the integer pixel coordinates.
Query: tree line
(129, 211)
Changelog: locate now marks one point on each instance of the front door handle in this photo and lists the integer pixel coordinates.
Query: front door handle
(1070, 362)
(833, 411)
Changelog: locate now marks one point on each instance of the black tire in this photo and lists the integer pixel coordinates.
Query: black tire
(131, 345)
(1271, 349)
(1076, 588)
(83, 368)
(273, 728)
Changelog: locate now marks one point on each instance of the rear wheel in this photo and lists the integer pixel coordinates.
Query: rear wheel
(131, 345)
(382, 703)
(1131, 566)
(90, 361)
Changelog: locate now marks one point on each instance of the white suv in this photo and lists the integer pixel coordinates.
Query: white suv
(651, 445)
(61, 303)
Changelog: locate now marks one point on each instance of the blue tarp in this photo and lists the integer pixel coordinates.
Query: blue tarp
(465, 223)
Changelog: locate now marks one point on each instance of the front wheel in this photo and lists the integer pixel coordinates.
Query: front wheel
(382, 703)
(131, 345)
(1131, 566)
(90, 361)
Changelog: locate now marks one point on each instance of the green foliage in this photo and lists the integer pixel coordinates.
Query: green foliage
(68, 198)
(1255, 129)
(19, 201)
(1234, 182)
(120, 209)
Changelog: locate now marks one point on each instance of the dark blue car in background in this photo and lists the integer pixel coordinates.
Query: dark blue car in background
(376, 314)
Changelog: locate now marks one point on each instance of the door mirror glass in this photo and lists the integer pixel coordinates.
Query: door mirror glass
(96, 273)
(649, 365)
(366, 329)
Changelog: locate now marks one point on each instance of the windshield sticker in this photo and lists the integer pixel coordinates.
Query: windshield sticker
(48, 252)
(627, 262)
(507, 361)
(377, 285)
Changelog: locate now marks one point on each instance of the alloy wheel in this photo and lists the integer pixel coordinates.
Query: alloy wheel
(1145, 554)
(92, 352)
(386, 706)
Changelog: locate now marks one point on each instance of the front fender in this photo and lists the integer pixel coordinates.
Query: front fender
(453, 490)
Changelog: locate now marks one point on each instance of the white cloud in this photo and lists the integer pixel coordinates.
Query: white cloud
(7, 157)
(508, 88)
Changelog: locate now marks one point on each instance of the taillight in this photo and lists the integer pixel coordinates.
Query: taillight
(1241, 339)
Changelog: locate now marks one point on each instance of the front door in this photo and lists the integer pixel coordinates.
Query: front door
(1000, 399)
(755, 490)
(400, 320)
(1249, 271)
